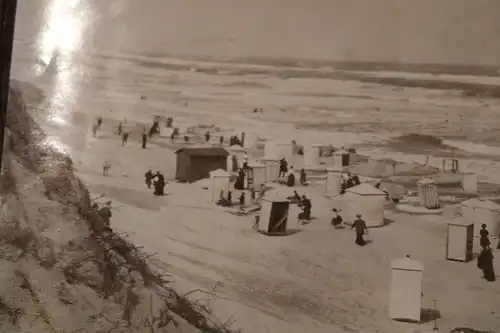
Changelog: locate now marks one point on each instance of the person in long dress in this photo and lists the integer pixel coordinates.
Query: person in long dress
(485, 263)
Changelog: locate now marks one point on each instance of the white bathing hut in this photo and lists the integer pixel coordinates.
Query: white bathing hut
(341, 158)
(469, 183)
(219, 180)
(367, 200)
(271, 150)
(256, 175)
(405, 301)
(482, 212)
(428, 193)
(284, 149)
(333, 182)
(311, 155)
(460, 238)
(272, 169)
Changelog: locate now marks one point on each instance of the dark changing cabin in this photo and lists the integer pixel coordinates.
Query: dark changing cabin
(196, 163)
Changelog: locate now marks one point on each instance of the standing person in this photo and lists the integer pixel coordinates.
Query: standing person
(94, 130)
(159, 184)
(360, 226)
(484, 240)
(125, 136)
(144, 140)
(207, 136)
(105, 213)
(120, 128)
(336, 219)
(221, 140)
(303, 177)
(105, 168)
(245, 161)
(230, 198)
(149, 178)
(485, 263)
(283, 168)
(99, 123)
(306, 209)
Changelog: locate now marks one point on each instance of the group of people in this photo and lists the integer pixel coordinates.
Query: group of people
(304, 203)
(104, 212)
(359, 225)
(485, 258)
(348, 182)
(157, 181)
(228, 201)
(284, 171)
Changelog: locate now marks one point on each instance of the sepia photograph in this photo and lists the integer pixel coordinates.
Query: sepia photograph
(250, 166)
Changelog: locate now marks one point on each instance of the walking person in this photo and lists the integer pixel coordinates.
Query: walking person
(149, 178)
(125, 136)
(361, 228)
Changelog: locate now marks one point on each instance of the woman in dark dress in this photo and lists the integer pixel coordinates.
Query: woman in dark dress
(485, 263)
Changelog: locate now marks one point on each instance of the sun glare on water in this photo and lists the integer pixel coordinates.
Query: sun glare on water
(61, 38)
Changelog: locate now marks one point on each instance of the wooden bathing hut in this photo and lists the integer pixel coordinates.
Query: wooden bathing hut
(274, 214)
(428, 193)
(196, 163)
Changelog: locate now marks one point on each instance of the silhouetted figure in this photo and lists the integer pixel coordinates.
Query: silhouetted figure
(94, 130)
(485, 263)
(242, 199)
(149, 178)
(159, 184)
(105, 213)
(119, 129)
(303, 177)
(234, 160)
(105, 168)
(99, 123)
(283, 168)
(155, 129)
(306, 209)
(484, 240)
(230, 198)
(291, 180)
(170, 122)
(343, 187)
(360, 226)
(239, 184)
(336, 219)
(144, 140)
(186, 139)
(207, 136)
(125, 136)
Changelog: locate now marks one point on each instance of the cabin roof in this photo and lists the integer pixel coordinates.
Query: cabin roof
(203, 152)
(365, 189)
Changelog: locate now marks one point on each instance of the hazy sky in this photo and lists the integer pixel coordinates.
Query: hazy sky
(464, 31)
